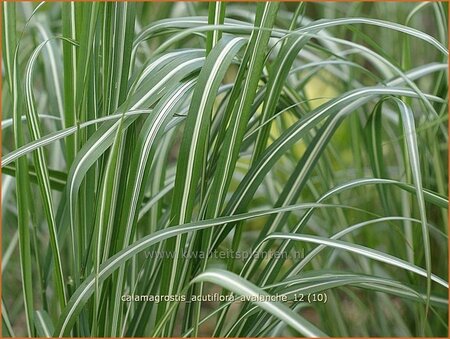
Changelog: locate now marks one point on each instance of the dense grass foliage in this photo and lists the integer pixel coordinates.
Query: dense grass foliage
(295, 153)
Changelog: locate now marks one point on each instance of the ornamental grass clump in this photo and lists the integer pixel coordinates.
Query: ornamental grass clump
(224, 169)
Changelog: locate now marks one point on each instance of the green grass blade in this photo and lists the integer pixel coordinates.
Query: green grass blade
(43, 177)
(22, 180)
(234, 283)
(44, 325)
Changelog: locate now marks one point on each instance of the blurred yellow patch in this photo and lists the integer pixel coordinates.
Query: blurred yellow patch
(319, 89)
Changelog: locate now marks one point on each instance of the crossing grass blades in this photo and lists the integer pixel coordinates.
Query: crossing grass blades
(183, 128)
